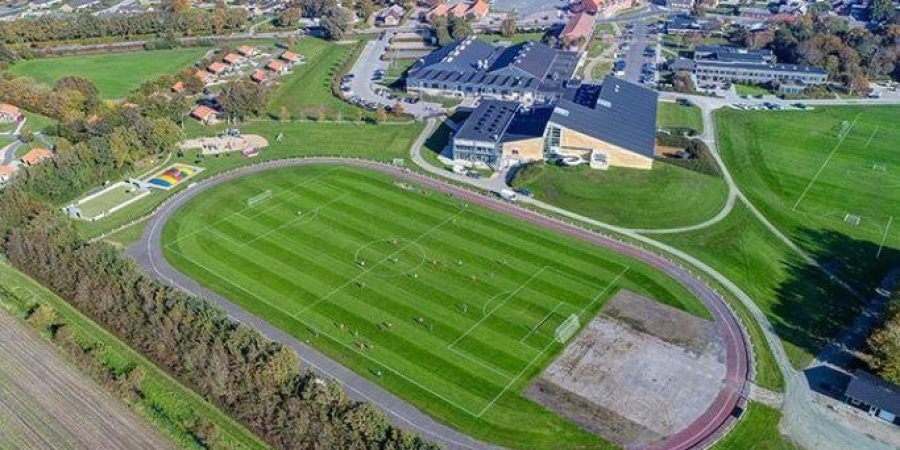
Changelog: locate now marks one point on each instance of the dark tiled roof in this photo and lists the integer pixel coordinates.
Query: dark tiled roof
(727, 53)
(874, 391)
(624, 115)
(488, 121)
(528, 124)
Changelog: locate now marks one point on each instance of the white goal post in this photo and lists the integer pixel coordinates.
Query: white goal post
(567, 329)
(259, 198)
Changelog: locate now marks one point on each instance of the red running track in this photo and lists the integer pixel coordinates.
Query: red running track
(708, 427)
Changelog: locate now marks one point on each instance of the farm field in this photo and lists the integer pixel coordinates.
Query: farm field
(830, 178)
(665, 197)
(450, 306)
(804, 306)
(306, 93)
(163, 402)
(672, 115)
(114, 74)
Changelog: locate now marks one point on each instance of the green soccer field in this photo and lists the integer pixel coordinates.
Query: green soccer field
(114, 74)
(831, 174)
(450, 306)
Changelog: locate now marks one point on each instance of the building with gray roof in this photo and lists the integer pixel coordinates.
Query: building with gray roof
(526, 72)
(734, 64)
(875, 395)
(613, 124)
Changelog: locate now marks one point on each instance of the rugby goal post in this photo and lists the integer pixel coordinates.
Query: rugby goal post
(259, 198)
(567, 329)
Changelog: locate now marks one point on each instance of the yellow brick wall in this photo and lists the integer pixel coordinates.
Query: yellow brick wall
(617, 156)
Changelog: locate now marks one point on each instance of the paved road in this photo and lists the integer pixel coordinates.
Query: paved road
(148, 253)
(45, 402)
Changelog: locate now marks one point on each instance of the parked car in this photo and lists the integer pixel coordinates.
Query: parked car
(523, 192)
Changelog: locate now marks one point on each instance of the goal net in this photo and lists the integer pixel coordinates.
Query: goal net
(259, 198)
(566, 329)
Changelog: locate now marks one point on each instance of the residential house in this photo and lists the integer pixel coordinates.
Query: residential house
(232, 59)
(204, 76)
(178, 87)
(476, 11)
(277, 66)
(578, 31)
(6, 172)
(35, 156)
(259, 76)
(390, 17)
(216, 68)
(608, 125)
(247, 51)
(204, 114)
(290, 57)
(9, 113)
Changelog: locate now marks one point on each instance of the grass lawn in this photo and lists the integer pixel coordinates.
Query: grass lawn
(828, 178)
(757, 430)
(751, 89)
(6, 127)
(671, 115)
(306, 93)
(803, 305)
(165, 401)
(449, 306)
(382, 142)
(107, 200)
(665, 197)
(601, 69)
(37, 122)
(114, 74)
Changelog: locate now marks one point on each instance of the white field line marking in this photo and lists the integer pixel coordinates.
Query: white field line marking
(303, 216)
(871, 136)
(884, 236)
(599, 294)
(511, 294)
(222, 235)
(535, 328)
(822, 167)
(505, 388)
(317, 330)
(240, 211)
(281, 201)
(373, 266)
(506, 376)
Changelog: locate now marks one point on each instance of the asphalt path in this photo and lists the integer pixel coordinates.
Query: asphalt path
(704, 430)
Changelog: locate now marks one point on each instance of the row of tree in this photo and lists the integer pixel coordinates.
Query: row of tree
(852, 56)
(257, 382)
(191, 22)
(884, 344)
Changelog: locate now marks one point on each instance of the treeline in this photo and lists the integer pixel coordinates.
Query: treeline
(191, 22)
(852, 56)
(883, 353)
(255, 381)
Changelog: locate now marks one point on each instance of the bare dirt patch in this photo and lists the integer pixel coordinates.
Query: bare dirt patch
(225, 143)
(638, 372)
(47, 403)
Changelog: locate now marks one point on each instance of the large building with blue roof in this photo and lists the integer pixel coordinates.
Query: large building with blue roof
(526, 72)
(608, 125)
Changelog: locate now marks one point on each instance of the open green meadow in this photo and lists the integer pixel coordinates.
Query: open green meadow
(306, 92)
(114, 74)
(107, 200)
(450, 306)
(674, 115)
(667, 196)
(829, 178)
(757, 430)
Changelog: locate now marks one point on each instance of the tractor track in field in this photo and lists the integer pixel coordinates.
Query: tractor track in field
(707, 428)
(45, 402)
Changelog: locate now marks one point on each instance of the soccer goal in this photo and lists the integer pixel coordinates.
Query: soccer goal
(259, 198)
(566, 329)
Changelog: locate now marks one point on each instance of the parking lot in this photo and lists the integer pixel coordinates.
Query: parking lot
(638, 55)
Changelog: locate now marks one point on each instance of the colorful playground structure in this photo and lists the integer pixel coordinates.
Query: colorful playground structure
(173, 176)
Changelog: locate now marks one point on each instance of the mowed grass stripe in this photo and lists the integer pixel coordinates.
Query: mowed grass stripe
(305, 279)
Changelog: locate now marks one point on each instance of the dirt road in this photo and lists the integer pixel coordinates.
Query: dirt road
(45, 402)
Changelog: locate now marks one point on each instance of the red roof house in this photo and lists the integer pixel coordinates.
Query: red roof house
(204, 114)
(216, 68)
(35, 156)
(9, 113)
(578, 30)
(232, 58)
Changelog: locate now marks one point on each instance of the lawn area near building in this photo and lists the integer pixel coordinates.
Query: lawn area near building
(306, 93)
(163, 401)
(666, 196)
(450, 306)
(114, 74)
(828, 178)
(751, 89)
(757, 430)
(674, 115)
(804, 306)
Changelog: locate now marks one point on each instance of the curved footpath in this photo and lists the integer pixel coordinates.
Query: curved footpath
(703, 431)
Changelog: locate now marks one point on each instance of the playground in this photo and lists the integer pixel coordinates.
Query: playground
(448, 305)
(226, 143)
(173, 176)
